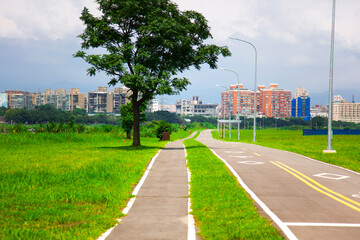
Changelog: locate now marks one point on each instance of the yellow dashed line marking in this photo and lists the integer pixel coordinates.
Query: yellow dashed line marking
(311, 183)
(257, 154)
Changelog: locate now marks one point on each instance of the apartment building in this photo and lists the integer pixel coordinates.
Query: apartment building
(237, 100)
(104, 101)
(275, 102)
(195, 107)
(20, 99)
(345, 111)
(270, 102)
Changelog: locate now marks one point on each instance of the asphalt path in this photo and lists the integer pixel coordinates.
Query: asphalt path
(307, 199)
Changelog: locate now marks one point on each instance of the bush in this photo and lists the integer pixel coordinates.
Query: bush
(163, 127)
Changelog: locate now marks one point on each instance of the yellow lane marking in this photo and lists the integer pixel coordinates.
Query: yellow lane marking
(321, 186)
(257, 154)
(314, 187)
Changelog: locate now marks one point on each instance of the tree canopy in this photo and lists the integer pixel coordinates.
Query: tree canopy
(146, 43)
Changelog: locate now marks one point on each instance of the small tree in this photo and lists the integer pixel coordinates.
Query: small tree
(126, 119)
(147, 42)
(318, 122)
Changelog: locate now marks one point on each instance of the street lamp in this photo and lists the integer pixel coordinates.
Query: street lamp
(254, 133)
(329, 147)
(238, 103)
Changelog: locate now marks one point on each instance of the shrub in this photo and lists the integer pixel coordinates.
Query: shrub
(163, 127)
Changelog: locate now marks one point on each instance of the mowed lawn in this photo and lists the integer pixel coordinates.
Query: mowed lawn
(347, 146)
(67, 186)
(221, 207)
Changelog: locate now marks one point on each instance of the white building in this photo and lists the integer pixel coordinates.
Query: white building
(195, 107)
(345, 111)
(4, 100)
(300, 92)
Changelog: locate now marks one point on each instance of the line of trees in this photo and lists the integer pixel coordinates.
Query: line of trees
(48, 113)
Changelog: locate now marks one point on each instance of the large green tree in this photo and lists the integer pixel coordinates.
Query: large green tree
(145, 44)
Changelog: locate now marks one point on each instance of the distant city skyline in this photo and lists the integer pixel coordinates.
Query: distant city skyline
(292, 39)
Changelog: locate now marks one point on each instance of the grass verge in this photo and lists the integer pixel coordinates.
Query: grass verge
(221, 207)
(67, 186)
(347, 146)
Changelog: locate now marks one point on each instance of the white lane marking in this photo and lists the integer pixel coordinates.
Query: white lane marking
(308, 158)
(275, 218)
(305, 224)
(241, 156)
(234, 152)
(132, 200)
(331, 176)
(191, 222)
(356, 195)
(251, 162)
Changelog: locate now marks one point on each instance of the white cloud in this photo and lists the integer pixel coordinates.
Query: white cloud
(39, 19)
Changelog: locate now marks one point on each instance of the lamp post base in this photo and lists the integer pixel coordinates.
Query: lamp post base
(329, 151)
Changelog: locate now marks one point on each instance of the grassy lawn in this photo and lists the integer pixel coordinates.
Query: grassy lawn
(346, 146)
(221, 208)
(67, 186)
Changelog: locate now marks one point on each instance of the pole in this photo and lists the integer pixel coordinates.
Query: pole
(230, 118)
(255, 88)
(238, 97)
(329, 147)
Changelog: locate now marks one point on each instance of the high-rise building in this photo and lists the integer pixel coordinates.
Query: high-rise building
(300, 107)
(275, 102)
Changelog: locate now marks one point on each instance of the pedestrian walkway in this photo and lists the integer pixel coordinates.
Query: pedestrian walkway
(160, 210)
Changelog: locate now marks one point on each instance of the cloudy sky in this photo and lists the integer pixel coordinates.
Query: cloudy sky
(38, 38)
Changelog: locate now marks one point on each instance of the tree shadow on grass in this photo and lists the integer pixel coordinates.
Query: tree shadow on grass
(130, 148)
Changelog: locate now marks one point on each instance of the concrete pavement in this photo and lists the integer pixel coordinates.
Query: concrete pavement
(311, 199)
(160, 210)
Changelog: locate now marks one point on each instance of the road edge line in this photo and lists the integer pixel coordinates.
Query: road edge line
(272, 215)
(134, 193)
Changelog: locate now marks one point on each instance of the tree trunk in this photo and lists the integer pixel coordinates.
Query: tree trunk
(136, 132)
(128, 135)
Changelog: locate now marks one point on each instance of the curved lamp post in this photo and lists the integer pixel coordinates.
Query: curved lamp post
(238, 102)
(329, 148)
(255, 90)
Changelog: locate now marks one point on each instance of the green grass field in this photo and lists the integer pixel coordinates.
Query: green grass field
(68, 186)
(347, 146)
(221, 208)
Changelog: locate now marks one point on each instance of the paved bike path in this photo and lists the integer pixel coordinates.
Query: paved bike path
(160, 210)
(330, 210)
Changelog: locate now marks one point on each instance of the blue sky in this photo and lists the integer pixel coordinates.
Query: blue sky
(38, 38)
